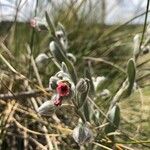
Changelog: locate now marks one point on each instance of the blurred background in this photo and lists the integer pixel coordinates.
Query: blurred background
(100, 33)
(101, 11)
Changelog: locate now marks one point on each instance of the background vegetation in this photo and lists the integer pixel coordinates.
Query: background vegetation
(103, 47)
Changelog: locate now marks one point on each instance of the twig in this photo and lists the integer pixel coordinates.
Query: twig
(105, 62)
(102, 146)
(31, 131)
(122, 146)
(34, 66)
(37, 143)
(27, 94)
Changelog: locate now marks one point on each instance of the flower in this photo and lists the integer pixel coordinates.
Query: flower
(58, 101)
(63, 89)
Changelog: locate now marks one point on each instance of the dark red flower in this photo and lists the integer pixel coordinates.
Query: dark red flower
(63, 89)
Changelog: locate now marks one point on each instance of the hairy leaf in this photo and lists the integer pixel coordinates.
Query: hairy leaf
(113, 119)
(131, 72)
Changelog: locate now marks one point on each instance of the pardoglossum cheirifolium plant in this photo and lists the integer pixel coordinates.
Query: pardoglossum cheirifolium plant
(94, 125)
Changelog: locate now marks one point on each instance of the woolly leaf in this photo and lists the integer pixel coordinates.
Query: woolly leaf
(57, 52)
(64, 67)
(86, 111)
(88, 75)
(60, 57)
(131, 72)
(84, 95)
(50, 24)
(113, 119)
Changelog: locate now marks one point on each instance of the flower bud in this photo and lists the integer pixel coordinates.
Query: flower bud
(82, 134)
(64, 68)
(53, 82)
(81, 86)
(145, 49)
(47, 108)
(41, 59)
(59, 34)
(62, 38)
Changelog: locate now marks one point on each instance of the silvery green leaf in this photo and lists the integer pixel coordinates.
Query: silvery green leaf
(98, 82)
(131, 72)
(50, 23)
(136, 41)
(84, 95)
(114, 119)
(47, 108)
(62, 36)
(86, 110)
(71, 70)
(62, 28)
(71, 57)
(57, 53)
(81, 86)
(60, 57)
(64, 43)
(96, 117)
(89, 76)
(62, 75)
(53, 82)
(64, 67)
(82, 134)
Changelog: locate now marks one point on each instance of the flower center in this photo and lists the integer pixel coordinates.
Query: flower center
(63, 89)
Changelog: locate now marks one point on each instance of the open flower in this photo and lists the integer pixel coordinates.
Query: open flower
(63, 89)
